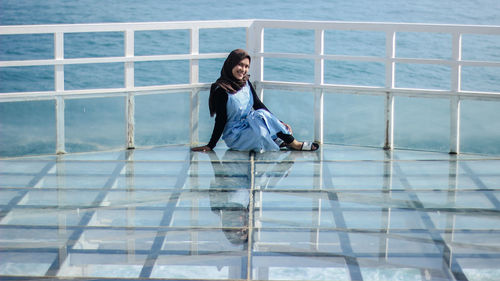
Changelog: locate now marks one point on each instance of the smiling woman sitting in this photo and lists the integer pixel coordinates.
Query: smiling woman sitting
(241, 118)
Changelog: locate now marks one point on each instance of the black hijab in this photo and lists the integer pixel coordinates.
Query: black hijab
(226, 80)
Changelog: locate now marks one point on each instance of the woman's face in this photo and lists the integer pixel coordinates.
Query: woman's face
(241, 69)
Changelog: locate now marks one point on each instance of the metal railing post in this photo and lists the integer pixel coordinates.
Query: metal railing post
(456, 73)
(255, 46)
(193, 79)
(59, 87)
(390, 49)
(129, 85)
(319, 71)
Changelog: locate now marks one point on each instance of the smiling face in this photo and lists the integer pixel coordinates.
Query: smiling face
(241, 69)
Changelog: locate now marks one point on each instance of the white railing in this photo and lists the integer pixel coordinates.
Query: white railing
(255, 45)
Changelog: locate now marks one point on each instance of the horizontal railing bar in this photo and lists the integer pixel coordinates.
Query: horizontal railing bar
(282, 24)
(112, 59)
(92, 93)
(379, 59)
(118, 27)
(352, 89)
(379, 26)
(73, 61)
(326, 57)
(445, 62)
(367, 90)
(472, 95)
(288, 86)
(163, 89)
(480, 63)
(424, 61)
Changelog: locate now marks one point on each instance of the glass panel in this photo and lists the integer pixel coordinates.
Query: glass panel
(205, 121)
(293, 108)
(36, 264)
(354, 119)
(27, 128)
(343, 152)
(297, 241)
(168, 153)
(477, 122)
(480, 269)
(287, 174)
(63, 181)
(205, 267)
(410, 274)
(299, 268)
(126, 218)
(203, 240)
(36, 217)
(167, 124)
(422, 123)
(99, 265)
(7, 195)
(95, 124)
(58, 198)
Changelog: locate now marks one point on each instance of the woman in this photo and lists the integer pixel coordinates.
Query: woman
(242, 120)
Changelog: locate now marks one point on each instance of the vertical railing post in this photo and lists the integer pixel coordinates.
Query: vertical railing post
(456, 73)
(193, 79)
(390, 49)
(129, 85)
(255, 45)
(319, 69)
(59, 87)
(387, 188)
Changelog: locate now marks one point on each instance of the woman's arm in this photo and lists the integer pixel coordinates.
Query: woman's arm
(220, 117)
(220, 120)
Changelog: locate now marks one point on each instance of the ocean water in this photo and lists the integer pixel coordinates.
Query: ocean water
(95, 124)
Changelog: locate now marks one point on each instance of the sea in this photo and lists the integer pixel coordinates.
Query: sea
(28, 128)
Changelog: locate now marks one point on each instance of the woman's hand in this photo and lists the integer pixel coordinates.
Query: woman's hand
(287, 127)
(201, 148)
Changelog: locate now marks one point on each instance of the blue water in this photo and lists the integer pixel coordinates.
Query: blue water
(28, 128)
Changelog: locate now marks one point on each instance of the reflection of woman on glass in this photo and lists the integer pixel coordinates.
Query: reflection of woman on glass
(242, 120)
(230, 194)
(229, 191)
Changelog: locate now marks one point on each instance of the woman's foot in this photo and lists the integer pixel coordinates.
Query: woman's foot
(306, 146)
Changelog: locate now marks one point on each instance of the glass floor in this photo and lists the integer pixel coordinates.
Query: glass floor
(341, 213)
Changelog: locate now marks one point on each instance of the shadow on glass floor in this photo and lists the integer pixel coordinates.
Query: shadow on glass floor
(341, 213)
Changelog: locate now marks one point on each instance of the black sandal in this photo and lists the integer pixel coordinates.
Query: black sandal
(309, 146)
